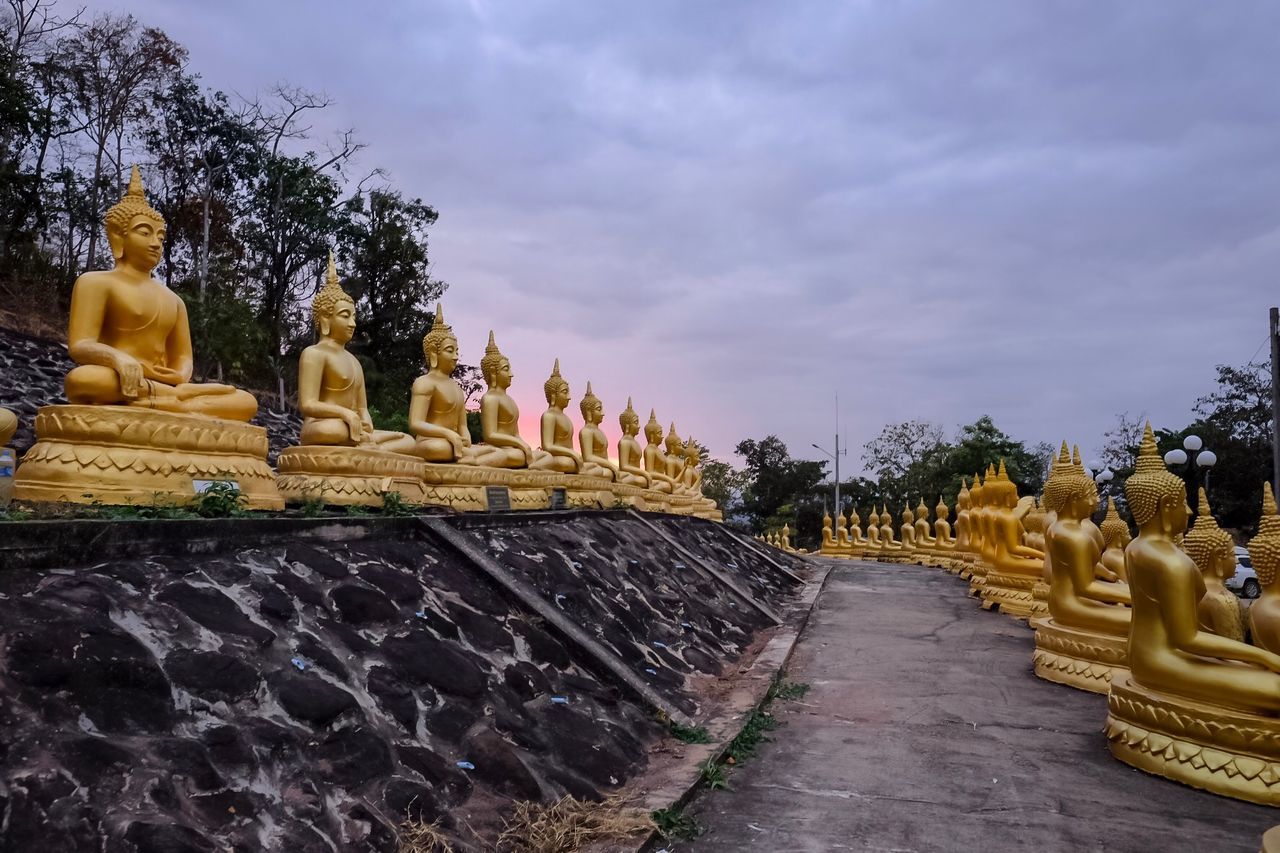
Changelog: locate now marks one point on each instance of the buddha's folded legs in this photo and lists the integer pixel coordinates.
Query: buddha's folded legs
(433, 449)
(96, 385)
(393, 442)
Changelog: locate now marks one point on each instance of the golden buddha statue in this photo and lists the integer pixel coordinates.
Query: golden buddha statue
(691, 476)
(1194, 707)
(556, 428)
(592, 444)
(8, 426)
(942, 527)
(1214, 553)
(331, 392)
(1015, 567)
(980, 530)
(131, 341)
(1082, 642)
(1059, 467)
(1264, 552)
(655, 461)
(674, 454)
(843, 544)
(343, 459)
(500, 418)
(873, 530)
(890, 547)
(784, 538)
(1115, 538)
(129, 334)
(924, 537)
(856, 539)
(631, 470)
(828, 547)
(437, 407)
(964, 526)
(1033, 524)
(908, 529)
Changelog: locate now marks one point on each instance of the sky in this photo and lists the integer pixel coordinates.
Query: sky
(1048, 212)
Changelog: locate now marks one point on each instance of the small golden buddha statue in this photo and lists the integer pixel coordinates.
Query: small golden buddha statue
(924, 536)
(888, 542)
(331, 393)
(691, 478)
(856, 539)
(1264, 552)
(500, 418)
(674, 453)
(631, 470)
(1115, 538)
(592, 443)
(1015, 568)
(8, 426)
(828, 536)
(437, 407)
(1033, 524)
(873, 530)
(556, 428)
(964, 526)
(785, 538)
(1215, 555)
(129, 333)
(942, 527)
(655, 461)
(1195, 707)
(843, 544)
(908, 529)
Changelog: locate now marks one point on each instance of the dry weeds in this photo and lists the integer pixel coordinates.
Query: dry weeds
(417, 836)
(570, 824)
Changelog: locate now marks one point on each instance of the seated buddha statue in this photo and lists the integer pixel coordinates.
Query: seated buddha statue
(964, 528)
(331, 392)
(1115, 538)
(500, 418)
(128, 333)
(1264, 552)
(1082, 642)
(631, 470)
(8, 426)
(1033, 524)
(674, 453)
(1059, 467)
(1214, 553)
(1012, 555)
(843, 543)
(942, 528)
(924, 533)
(856, 539)
(655, 461)
(907, 532)
(592, 443)
(828, 535)
(437, 407)
(873, 530)
(784, 538)
(556, 428)
(983, 492)
(888, 542)
(1195, 707)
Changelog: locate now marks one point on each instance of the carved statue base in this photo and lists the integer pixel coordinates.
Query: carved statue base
(1010, 593)
(1081, 659)
(977, 578)
(348, 476)
(126, 455)
(1228, 752)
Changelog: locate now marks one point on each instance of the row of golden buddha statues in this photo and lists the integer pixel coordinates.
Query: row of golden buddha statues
(1146, 620)
(138, 430)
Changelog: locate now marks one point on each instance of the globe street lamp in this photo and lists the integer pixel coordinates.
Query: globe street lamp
(1102, 475)
(1205, 459)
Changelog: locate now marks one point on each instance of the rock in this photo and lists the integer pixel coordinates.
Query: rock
(211, 675)
(498, 765)
(317, 561)
(451, 784)
(149, 837)
(351, 757)
(409, 800)
(274, 604)
(308, 697)
(188, 758)
(482, 629)
(214, 610)
(395, 696)
(227, 747)
(544, 647)
(360, 605)
(439, 663)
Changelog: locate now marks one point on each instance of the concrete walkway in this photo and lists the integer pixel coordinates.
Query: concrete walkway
(926, 730)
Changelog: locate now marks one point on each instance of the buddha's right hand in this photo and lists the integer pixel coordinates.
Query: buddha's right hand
(129, 369)
(354, 426)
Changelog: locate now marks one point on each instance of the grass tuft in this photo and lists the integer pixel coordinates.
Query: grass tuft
(570, 824)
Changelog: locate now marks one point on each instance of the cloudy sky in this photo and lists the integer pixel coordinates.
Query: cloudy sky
(1049, 212)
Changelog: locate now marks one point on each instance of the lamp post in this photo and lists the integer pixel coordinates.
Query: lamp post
(1102, 475)
(1203, 458)
(836, 456)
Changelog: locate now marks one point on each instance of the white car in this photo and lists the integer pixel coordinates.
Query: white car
(1245, 583)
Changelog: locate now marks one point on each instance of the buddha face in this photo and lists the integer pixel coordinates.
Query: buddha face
(446, 356)
(1224, 562)
(1174, 514)
(341, 324)
(593, 413)
(560, 398)
(653, 434)
(502, 376)
(142, 244)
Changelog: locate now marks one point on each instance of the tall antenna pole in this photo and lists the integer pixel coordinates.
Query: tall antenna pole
(1275, 399)
(839, 506)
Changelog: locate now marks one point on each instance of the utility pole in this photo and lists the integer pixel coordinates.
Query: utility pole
(839, 506)
(1275, 399)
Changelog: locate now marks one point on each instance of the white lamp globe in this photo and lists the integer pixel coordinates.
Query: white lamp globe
(1175, 457)
(1207, 459)
(1192, 443)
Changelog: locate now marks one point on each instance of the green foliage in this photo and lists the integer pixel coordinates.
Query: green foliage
(396, 420)
(788, 691)
(713, 775)
(689, 734)
(676, 824)
(357, 511)
(474, 427)
(312, 508)
(393, 505)
(773, 480)
(222, 499)
(754, 732)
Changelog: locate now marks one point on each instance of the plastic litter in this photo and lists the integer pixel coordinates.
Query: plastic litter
(560, 700)
(465, 765)
(659, 645)
(651, 670)
(300, 663)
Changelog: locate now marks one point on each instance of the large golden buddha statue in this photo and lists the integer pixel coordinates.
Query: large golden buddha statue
(1264, 552)
(655, 461)
(874, 544)
(1195, 707)
(556, 428)
(631, 470)
(592, 444)
(1015, 567)
(1082, 642)
(437, 407)
(1215, 555)
(856, 540)
(963, 546)
(500, 418)
(343, 459)
(674, 453)
(130, 339)
(8, 426)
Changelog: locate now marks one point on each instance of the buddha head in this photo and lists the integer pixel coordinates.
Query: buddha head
(135, 230)
(653, 429)
(907, 516)
(495, 366)
(1264, 549)
(1077, 495)
(591, 407)
(629, 420)
(556, 389)
(1213, 549)
(333, 311)
(440, 346)
(1157, 497)
(674, 445)
(963, 500)
(1053, 484)
(826, 524)
(853, 516)
(1115, 530)
(922, 511)
(942, 511)
(692, 455)
(975, 493)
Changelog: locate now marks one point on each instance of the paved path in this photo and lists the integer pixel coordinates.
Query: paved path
(925, 730)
